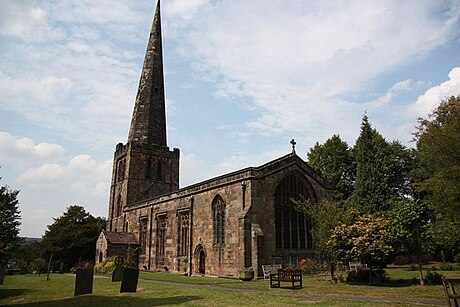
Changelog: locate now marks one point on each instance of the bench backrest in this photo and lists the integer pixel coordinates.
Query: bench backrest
(289, 274)
(270, 268)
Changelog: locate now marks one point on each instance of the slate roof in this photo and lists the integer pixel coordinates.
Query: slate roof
(120, 238)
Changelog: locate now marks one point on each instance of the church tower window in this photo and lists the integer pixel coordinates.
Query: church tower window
(218, 220)
(292, 230)
(118, 205)
(148, 170)
(121, 170)
(160, 171)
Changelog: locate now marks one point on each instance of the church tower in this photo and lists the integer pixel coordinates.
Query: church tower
(144, 167)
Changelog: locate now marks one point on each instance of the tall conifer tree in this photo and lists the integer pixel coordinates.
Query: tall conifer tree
(371, 153)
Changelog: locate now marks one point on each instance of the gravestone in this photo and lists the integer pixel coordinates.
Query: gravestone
(129, 280)
(84, 282)
(118, 271)
(2, 274)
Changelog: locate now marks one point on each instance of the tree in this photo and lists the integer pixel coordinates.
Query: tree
(411, 229)
(373, 192)
(9, 223)
(334, 162)
(438, 143)
(365, 238)
(438, 147)
(402, 170)
(324, 217)
(72, 236)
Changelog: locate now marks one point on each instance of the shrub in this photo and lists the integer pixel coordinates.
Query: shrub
(433, 278)
(105, 267)
(446, 267)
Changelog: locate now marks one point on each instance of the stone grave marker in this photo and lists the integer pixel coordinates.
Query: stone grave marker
(129, 280)
(84, 282)
(118, 271)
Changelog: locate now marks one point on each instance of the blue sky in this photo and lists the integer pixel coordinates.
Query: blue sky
(242, 79)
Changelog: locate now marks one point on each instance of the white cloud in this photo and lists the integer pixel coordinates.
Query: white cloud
(49, 181)
(19, 18)
(295, 58)
(24, 150)
(47, 190)
(427, 102)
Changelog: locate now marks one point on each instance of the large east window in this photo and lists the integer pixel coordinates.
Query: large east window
(292, 229)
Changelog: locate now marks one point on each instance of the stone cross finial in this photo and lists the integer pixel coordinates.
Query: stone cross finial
(293, 146)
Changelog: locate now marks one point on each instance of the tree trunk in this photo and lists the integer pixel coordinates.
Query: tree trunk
(422, 281)
(332, 270)
(371, 269)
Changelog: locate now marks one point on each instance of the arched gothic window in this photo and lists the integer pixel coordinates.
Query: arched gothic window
(183, 235)
(161, 235)
(121, 170)
(218, 220)
(160, 176)
(292, 230)
(143, 235)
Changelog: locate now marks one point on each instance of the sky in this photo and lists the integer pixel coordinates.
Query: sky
(242, 78)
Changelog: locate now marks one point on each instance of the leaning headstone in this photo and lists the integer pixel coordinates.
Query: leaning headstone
(129, 280)
(2, 274)
(118, 271)
(84, 282)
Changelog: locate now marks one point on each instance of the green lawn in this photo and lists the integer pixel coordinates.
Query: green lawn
(207, 291)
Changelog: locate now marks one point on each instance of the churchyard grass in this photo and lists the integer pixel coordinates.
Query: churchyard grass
(58, 291)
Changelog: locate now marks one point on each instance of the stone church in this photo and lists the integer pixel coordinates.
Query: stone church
(216, 227)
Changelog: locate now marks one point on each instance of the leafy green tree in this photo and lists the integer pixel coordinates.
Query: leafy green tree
(365, 238)
(373, 192)
(334, 162)
(411, 229)
(324, 217)
(438, 143)
(402, 170)
(72, 236)
(9, 223)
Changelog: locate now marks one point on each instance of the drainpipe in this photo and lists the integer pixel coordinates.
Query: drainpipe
(190, 256)
(243, 188)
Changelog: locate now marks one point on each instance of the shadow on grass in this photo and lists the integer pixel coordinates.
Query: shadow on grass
(94, 300)
(397, 283)
(5, 293)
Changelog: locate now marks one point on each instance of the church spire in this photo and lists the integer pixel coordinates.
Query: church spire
(148, 124)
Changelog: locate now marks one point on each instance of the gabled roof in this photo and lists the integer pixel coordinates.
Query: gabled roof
(241, 175)
(120, 238)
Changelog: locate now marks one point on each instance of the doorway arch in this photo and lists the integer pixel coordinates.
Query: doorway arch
(200, 259)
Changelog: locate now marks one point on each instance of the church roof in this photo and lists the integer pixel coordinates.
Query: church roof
(242, 175)
(120, 238)
(148, 124)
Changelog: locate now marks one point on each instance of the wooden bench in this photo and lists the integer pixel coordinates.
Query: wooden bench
(286, 275)
(355, 266)
(449, 290)
(269, 269)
